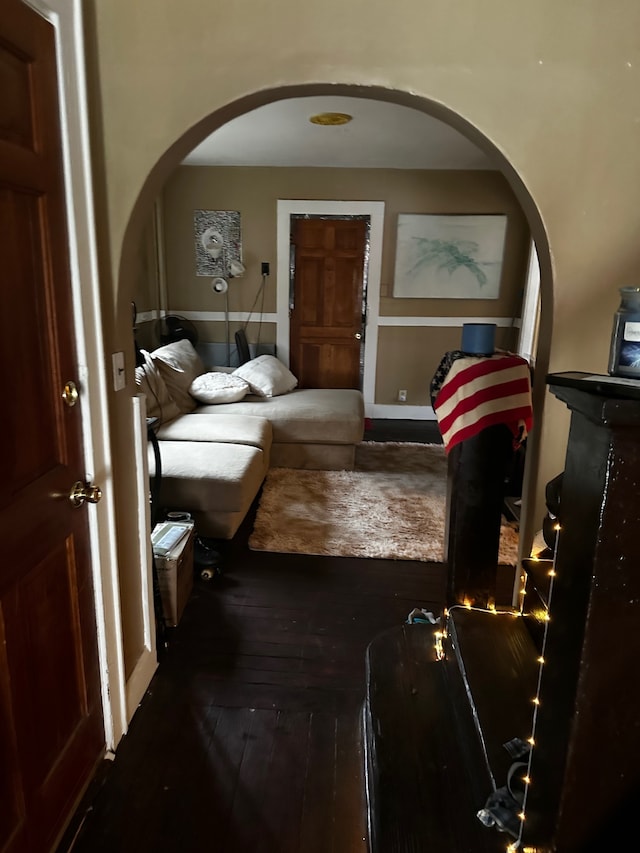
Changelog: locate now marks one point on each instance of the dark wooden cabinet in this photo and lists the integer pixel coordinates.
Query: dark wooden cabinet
(585, 767)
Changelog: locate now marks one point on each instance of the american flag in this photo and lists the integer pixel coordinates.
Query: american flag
(479, 392)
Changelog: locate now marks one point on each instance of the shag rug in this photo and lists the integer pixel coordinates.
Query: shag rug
(392, 506)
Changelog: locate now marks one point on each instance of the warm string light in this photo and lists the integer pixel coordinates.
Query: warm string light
(523, 589)
(544, 616)
(441, 636)
(536, 704)
(489, 609)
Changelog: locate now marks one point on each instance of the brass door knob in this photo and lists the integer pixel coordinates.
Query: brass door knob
(82, 492)
(70, 394)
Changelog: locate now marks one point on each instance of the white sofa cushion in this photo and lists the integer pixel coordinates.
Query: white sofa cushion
(178, 363)
(225, 429)
(209, 475)
(216, 482)
(267, 376)
(305, 415)
(217, 387)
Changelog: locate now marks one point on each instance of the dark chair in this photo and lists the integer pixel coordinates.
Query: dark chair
(242, 347)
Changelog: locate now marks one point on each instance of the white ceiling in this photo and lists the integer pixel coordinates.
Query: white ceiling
(381, 136)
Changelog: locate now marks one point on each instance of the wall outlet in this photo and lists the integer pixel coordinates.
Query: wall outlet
(402, 395)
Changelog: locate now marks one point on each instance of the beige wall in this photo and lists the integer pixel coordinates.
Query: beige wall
(402, 362)
(145, 293)
(555, 87)
(409, 357)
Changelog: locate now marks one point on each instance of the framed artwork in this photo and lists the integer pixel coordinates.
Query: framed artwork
(218, 241)
(454, 256)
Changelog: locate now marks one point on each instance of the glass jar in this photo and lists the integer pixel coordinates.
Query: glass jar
(624, 355)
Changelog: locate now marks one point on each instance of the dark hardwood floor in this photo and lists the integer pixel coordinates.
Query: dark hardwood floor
(249, 736)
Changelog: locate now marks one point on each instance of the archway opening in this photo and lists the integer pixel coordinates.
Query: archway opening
(192, 137)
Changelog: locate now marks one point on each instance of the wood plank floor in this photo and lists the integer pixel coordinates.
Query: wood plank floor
(249, 737)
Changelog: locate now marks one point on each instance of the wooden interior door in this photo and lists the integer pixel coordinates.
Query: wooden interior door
(327, 329)
(51, 718)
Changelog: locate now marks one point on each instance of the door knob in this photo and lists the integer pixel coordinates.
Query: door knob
(358, 336)
(82, 492)
(70, 394)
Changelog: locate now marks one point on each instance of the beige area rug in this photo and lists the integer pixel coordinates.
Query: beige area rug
(392, 506)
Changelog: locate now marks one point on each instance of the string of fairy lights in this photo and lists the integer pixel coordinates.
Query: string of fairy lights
(544, 616)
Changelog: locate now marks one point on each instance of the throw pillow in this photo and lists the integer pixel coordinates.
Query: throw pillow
(218, 388)
(179, 364)
(267, 376)
(159, 402)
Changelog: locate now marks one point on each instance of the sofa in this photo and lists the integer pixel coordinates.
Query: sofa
(219, 430)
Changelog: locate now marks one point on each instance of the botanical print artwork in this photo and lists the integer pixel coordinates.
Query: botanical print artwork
(218, 241)
(449, 257)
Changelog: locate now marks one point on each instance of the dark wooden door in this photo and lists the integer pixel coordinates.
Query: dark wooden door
(327, 330)
(51, 721)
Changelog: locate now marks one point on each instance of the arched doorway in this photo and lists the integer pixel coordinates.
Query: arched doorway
(215, 121)
(193, 136)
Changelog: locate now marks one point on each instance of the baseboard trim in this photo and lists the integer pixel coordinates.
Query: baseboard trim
(400, 412)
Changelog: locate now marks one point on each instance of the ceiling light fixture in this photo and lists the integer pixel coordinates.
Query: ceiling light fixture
(330, 119)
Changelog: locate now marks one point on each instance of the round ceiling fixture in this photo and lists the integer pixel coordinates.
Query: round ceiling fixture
(330, 119)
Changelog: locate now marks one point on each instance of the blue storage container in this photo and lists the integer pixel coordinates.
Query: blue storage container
(478, 338)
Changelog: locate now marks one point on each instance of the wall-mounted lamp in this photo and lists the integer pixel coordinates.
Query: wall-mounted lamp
(219, 285)
(234, 269)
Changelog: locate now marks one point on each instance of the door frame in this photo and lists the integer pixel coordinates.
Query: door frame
(66, 18)
(375, 211)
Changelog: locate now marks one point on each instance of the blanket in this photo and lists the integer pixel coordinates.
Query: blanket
(472, 393)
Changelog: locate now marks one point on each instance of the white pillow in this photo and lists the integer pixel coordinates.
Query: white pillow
(178, 363)
(267, 376)
(218, 388)
(160, 403)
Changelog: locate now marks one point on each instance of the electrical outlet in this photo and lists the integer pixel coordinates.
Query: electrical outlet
(402, 395)
(265, 267)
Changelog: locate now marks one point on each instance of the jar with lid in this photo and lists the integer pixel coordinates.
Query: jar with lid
(624, 355)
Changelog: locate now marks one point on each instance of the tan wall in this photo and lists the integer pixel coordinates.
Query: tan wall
(145, 293)
(254, 192)
(411, 355)
(554, 86)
